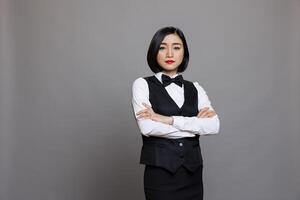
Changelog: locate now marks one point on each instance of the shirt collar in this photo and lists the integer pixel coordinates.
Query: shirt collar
(159, 74)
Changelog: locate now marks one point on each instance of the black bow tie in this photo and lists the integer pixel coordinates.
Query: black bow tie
(166, 80)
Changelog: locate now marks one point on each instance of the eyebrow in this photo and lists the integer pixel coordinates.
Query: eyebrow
(172, 43)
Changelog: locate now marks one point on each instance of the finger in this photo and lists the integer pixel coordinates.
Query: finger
(142, 111)
(202, 110)
(146, 111)
(144, 115)
(213, 114)
(204, 113)
(210, 114)
(207, 114)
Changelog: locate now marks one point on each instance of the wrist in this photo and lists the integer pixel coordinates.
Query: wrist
(167, 119)
(170, 120)
(164, 119)
(156, 117)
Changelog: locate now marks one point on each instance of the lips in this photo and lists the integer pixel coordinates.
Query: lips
(169, 61)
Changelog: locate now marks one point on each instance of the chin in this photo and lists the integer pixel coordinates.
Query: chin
(169, 68)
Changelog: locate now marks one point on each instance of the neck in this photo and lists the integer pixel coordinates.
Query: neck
(170, 73)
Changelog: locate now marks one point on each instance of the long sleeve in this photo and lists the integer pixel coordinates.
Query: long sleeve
(148, 127)
(201, 126)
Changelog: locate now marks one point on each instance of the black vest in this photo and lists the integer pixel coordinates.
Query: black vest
(172, 153)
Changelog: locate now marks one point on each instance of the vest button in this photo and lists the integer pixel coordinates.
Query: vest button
(180, 144)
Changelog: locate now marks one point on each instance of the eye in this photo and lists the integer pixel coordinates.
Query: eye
(161, 48)
(177, 48)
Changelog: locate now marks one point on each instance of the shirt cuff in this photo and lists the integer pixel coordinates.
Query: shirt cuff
(178, 122)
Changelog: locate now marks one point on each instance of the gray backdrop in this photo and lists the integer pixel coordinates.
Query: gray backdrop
(66, 122)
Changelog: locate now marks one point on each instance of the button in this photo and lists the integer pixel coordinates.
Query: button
(180, 144)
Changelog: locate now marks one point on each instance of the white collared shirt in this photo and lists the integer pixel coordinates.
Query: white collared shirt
(182, 126)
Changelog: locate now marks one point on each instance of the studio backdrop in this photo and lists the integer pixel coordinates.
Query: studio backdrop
(67, 130)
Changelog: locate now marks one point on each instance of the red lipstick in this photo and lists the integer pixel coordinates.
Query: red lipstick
(169, 61)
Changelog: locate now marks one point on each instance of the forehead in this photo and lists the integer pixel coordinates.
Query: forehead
(172, 38)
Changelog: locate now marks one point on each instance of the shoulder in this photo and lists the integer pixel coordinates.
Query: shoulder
(143, 81)
(139, 84)
(140, 80)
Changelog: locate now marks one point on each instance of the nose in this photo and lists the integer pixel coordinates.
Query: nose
(170, 52)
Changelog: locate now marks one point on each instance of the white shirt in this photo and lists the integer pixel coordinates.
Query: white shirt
(182, 126)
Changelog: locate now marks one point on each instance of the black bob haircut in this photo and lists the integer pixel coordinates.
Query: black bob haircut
(155, 44)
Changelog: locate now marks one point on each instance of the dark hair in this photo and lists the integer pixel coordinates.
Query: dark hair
(155, 44)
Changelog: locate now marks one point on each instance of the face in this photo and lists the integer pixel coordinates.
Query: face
(170, 53)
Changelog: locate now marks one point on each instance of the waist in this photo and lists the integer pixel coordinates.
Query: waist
(185, 141)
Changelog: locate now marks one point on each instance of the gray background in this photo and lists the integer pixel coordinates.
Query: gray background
(66, 122)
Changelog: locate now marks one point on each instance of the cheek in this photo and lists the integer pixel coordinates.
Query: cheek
(180, 55)
(159, 57)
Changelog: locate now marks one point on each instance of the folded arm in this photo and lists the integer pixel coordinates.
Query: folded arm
(199, 124)
(149, 127)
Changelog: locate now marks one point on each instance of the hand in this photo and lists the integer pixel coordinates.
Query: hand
(206, 113)
(148, 113)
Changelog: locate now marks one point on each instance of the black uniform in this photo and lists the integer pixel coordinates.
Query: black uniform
(173, 166)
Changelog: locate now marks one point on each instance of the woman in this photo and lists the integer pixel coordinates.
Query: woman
(171, 113)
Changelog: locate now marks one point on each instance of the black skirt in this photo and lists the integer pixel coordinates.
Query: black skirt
(161, 184)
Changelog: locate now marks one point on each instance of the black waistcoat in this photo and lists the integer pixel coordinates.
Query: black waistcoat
(172, 153)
